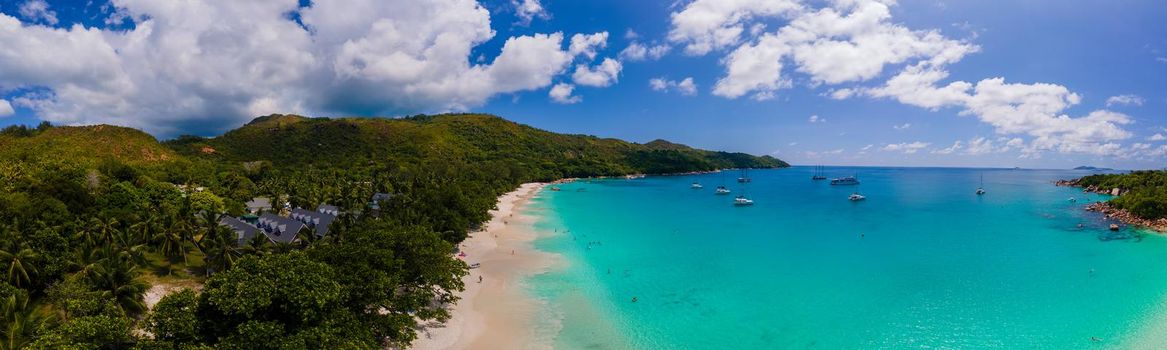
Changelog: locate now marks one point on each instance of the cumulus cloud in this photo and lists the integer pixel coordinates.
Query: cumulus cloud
(686, 86)
(604, 74)
(38, 11)
(528, 10)
(6, 108)
(587, 44)
(639, 52)
(816, 119)
(904, 126)
(187, 64)
(562, 93)
(906, 148)
(1124, 100)
(1155, 137)
(856, 41)
(705, 25)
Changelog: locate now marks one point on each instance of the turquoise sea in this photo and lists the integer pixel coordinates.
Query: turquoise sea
(922, 263)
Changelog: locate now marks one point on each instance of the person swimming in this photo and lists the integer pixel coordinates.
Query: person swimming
(634, 299)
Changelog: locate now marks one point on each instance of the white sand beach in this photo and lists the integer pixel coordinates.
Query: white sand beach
(496, 313)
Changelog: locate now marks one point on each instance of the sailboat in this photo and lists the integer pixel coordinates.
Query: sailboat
(721, 188)
(818, 173)
(743, 178)
(981, 190)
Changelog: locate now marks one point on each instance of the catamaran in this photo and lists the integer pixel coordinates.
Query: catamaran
(843, 181)
(818, 173)
(981, 190)
(742, 201)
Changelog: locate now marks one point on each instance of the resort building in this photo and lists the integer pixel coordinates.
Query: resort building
(328, 209)
(279, 229)
(378, 198)
(257, 204)
(316, 220)
(244, 232)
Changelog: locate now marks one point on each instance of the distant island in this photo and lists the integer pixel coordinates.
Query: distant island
(1086, 167)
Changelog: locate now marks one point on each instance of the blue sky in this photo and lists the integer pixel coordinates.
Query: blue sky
(1080, 82)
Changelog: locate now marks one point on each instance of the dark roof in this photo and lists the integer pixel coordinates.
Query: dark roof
(278, 228)
(244, 230)
(325, 208)
(378, 198)
(315, 219)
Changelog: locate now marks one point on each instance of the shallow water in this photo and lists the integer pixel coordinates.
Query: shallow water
(922, 263)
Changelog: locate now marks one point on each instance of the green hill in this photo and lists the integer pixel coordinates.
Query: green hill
(83, 145)
(295, 141)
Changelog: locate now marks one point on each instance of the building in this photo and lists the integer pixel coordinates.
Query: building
(316, 220)
(257, 204)
(244, 232)
(328, 209)
(278, 228)
(379, 198)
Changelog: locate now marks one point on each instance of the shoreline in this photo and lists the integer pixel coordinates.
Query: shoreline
(496, 313)
(1124, 216)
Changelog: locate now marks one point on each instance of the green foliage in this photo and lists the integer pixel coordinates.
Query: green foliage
(1144, 192)
(89, 214)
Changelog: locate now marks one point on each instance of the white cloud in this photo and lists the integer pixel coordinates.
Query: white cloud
(706, 25)
(638, 52)
(979, 146)
(562, 93)
(189, 64)
(906, 148)
(1124, 100)
(606, 73)
(38, 11)
(816, 119)
(528, 10)
(6, 108)
(630, 34)
(686, 86)
(867, 147)
(904, 126)
(1157, 137)
(587, 44)
(956, 146)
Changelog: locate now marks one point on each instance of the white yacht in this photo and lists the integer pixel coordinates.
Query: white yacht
(696, 186)
(721, 190)
(742, 201)
(855, 197)
(844, 181)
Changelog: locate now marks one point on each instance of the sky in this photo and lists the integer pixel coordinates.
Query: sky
(992, 83)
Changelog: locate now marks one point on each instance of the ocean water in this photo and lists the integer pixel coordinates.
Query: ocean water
(922, 263)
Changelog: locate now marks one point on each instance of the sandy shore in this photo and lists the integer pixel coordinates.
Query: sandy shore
(496, 313)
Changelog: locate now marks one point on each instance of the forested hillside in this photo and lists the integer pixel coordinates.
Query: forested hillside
(1144, 193)
(91, 217)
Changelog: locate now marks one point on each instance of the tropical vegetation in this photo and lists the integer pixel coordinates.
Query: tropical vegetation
(92, 217)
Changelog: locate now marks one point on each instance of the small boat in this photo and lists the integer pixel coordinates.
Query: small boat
(475, 265)
(855, 197)
(1114, 227)
(845, 181)
(981, 190)
(721, 190)
(743, 179)
(696, 186)
(1072, 199)
(554, 188)
(818, 174)
(742, 201)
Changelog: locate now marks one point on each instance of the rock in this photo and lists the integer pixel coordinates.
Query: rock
(1115, 191)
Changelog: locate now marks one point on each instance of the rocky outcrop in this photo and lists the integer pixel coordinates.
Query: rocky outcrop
(1126, 217)
(1092, 188)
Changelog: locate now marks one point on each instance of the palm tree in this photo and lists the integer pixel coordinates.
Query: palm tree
(22, 320)
(219, 247)
(119, 277)
(21, 263)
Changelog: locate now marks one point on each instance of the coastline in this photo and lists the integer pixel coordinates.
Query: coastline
(496, 313)
(1110, 212)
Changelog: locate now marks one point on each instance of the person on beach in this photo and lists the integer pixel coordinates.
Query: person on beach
(479, 278)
